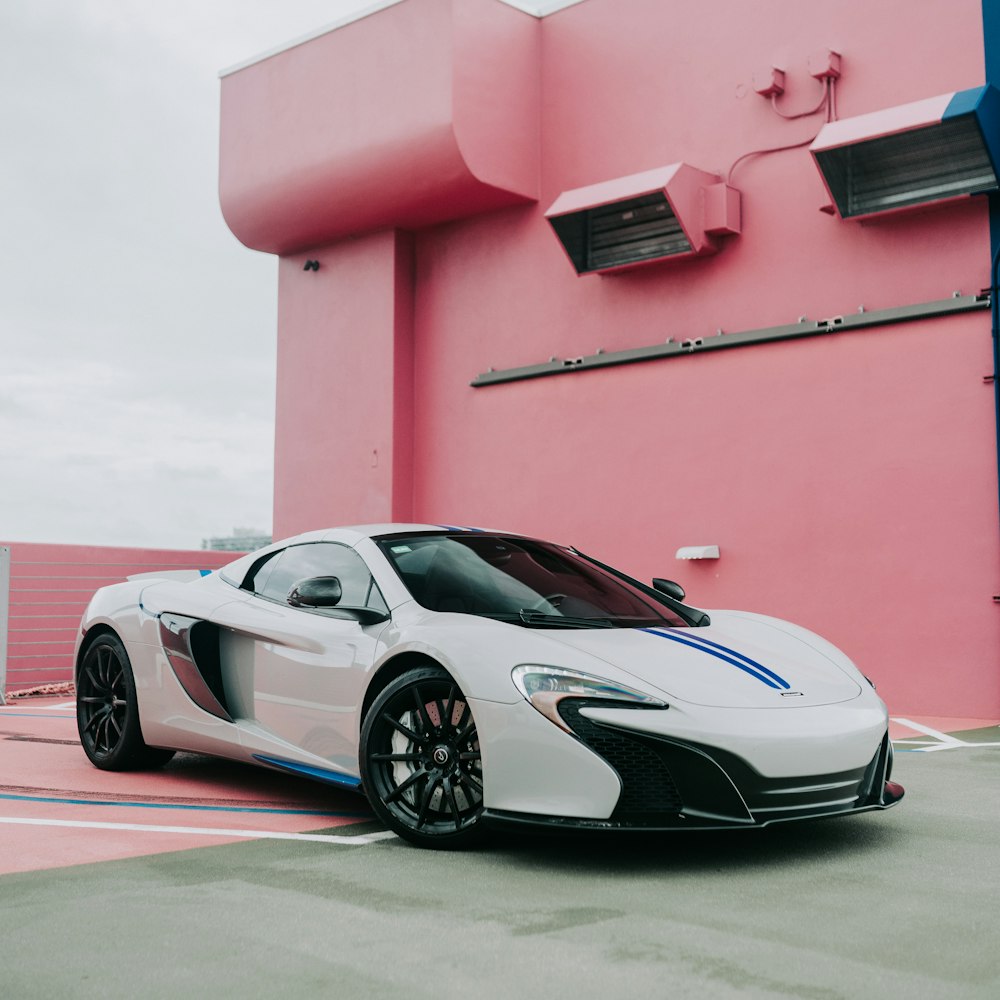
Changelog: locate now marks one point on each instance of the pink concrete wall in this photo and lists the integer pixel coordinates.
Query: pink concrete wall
(850, 480)
(50, 586)
(343, 428)
(387, 122)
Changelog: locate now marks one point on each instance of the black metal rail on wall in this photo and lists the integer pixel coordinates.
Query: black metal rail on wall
(860, 320)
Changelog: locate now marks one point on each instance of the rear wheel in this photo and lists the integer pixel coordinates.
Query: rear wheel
(420, 760)
(107, 714)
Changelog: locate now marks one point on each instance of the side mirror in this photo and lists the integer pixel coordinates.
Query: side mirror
(668, 587)
(326, 592)
(316, 592)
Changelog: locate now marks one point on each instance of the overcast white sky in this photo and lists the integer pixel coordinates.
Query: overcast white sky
(137, 335)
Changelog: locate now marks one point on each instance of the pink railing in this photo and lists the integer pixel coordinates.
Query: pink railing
(47, 591)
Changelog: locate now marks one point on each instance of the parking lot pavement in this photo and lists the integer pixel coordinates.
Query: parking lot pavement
(882, 904)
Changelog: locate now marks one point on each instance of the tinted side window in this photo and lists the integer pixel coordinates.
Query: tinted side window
(299, 562)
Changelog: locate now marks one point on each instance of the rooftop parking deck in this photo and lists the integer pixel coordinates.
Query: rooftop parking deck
(221, 880)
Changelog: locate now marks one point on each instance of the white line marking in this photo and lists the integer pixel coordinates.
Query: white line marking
(199, 831)
(944, 741)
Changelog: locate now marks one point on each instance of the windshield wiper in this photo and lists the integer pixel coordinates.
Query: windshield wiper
(563, 621)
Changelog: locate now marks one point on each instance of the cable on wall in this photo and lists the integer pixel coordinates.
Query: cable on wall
(824, 66)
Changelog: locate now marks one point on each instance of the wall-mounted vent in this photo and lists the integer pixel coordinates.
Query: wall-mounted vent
(917, 154)
(667, 213)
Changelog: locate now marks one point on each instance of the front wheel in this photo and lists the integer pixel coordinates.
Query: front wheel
(420, 760)
(107, 714)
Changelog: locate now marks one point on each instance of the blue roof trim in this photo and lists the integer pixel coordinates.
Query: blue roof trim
(963, 102)
(308, 771)
(729, 656)
(991, 50)
(984, 103)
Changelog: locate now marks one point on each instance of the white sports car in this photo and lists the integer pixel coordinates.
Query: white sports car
(465, 679)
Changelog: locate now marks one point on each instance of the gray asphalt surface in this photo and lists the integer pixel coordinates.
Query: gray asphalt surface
(901, 903)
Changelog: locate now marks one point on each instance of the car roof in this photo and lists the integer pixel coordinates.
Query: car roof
(235, 571)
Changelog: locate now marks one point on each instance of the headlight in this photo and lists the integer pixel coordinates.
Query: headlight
(545, 687)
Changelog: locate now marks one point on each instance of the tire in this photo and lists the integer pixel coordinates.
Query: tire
(420, 761)
(107, 714)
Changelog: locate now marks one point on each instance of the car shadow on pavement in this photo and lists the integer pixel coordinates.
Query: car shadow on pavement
(695, 852)
(210, 776)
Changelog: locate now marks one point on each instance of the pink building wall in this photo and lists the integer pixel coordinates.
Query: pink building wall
(850, 479)
(51, 585)
(346, 400)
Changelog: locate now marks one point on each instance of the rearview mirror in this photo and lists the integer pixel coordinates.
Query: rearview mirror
(668, 587)
(316, 592)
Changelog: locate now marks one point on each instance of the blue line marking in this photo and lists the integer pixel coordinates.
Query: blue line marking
(35, 715)
(178, 805)
(319, 773)
(744, 666)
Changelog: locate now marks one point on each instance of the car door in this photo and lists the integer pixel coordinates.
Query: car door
(305, 689)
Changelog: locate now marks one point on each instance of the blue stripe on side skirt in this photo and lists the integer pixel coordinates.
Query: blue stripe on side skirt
(319, 773)
(744, 663)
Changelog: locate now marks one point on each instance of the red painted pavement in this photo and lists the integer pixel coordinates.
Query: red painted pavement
(41, 759)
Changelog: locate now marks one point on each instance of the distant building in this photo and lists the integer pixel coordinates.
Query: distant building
(241, 540)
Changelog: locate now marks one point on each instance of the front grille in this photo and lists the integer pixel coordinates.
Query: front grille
(770, 799)
(647, 784)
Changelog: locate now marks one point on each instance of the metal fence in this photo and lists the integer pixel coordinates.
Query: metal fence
(44, 590)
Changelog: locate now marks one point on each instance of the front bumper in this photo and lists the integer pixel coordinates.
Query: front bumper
(670, 783)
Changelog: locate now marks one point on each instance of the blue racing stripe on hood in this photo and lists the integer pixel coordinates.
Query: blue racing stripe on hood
(730, 656)
(741, 656)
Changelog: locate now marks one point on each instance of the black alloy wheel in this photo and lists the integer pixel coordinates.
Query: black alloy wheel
(107, 715)
(420, 760)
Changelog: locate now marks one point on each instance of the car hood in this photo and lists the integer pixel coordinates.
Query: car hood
(739, 661)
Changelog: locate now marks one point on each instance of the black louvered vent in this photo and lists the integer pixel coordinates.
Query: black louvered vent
(625, 232)
(647, 784)
(910, 168)
(639, 229)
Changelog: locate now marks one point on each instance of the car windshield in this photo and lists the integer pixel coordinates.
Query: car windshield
(530, 583)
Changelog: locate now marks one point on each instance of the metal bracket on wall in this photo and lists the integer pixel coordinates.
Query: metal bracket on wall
(791, 331)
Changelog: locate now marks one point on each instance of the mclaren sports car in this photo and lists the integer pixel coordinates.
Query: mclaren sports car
(465, 679)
